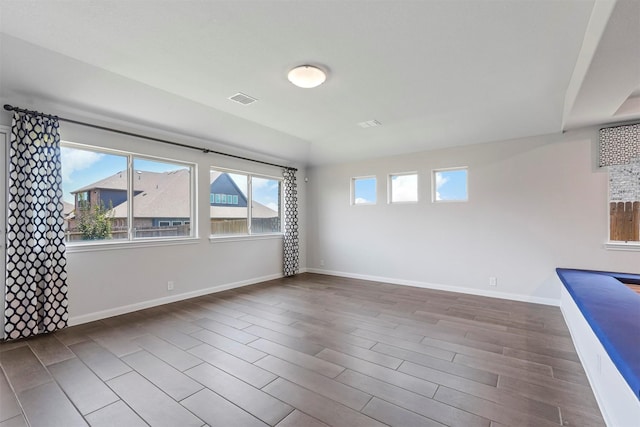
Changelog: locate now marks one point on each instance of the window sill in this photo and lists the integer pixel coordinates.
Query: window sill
(244, 237)
(622, 246)
(129, 244)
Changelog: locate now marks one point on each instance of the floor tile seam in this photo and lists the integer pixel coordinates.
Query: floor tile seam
(13, 390)
(411, 342)
(398, 404)
(421, 395)
(508, 408)
(228, 337)
(462, 355)
(449, 373)
(359, 358)
(156, 387)
(437, 369)
(301, 366)
(574, 403)
(133, 369)
(264, 318)
(315, 392)
(218, 348)
(220, 396)
(391, 384)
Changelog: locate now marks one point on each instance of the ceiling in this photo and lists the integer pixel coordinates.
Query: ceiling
(434, 73)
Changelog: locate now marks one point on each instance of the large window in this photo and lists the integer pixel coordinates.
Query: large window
(112, 195)
(403, 188)
(450, 185)
(230, 210)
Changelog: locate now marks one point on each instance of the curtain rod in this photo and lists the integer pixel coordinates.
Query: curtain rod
(121, 132)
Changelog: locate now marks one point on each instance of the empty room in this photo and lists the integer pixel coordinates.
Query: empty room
(307, 213)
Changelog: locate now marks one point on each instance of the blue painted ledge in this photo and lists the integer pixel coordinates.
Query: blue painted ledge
(613, 312)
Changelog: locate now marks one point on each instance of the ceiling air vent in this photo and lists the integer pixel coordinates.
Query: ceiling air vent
(369, 124)
(243, 99)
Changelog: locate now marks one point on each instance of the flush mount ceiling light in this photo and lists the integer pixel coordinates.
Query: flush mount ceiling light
(307, 76)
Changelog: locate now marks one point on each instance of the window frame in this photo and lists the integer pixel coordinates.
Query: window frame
(131, 241)
(353, 190)
(390, 188)
(616, 245)
(434, 181)
(249, 235)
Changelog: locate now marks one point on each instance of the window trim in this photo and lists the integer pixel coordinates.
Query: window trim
(248, 235)
(433, 184)
(353, 190)
(390, 188)
(130, 241)
(616, 245)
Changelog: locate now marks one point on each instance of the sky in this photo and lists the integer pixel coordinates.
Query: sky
(265, 191)
(83, 167)
(450, 185)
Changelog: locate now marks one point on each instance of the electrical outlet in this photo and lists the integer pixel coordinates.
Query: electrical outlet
(169, 285)
(493, 281)
(321, 263)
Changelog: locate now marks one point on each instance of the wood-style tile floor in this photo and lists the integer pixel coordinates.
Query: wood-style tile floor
(305, 351)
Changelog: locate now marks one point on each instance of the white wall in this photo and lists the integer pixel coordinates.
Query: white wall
(534, 204)
(108, 282)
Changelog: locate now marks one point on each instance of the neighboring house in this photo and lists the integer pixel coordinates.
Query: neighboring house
(162, 203)
(228, 209)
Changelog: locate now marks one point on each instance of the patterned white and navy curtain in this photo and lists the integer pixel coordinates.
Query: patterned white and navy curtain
(36, 277)
(291, 262)
(619, 145)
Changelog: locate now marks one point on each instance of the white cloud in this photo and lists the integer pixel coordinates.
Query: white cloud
(440, 181)
(76, 160)
(405, 188)
(258, 183)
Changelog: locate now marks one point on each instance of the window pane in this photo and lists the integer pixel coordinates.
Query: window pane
(161, 195)
(265, 206)
(624, 202)
(404, 188)
(450, 185)
(95, 191)
(364, 191)
(225, 218)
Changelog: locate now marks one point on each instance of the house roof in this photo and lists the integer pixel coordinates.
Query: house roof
(166, 195)
(435, 73)
(161, 195)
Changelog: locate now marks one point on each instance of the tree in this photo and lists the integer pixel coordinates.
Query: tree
(95, 223)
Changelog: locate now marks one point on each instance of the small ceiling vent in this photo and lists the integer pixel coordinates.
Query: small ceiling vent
(243, 99)
(369, 124)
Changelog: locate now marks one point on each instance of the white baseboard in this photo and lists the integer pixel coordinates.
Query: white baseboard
(464, 290)
(618, 403)
(85, 318)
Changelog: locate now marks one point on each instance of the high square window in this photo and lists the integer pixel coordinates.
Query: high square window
(450, 185)
(403, 187)
(363, 190)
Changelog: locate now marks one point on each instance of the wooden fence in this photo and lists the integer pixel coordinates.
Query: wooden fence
(624, 220)
(121, 233)
(239, 226)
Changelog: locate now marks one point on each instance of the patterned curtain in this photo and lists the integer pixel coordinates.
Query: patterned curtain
(291, 263)
(36, 278)
(619, 145)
